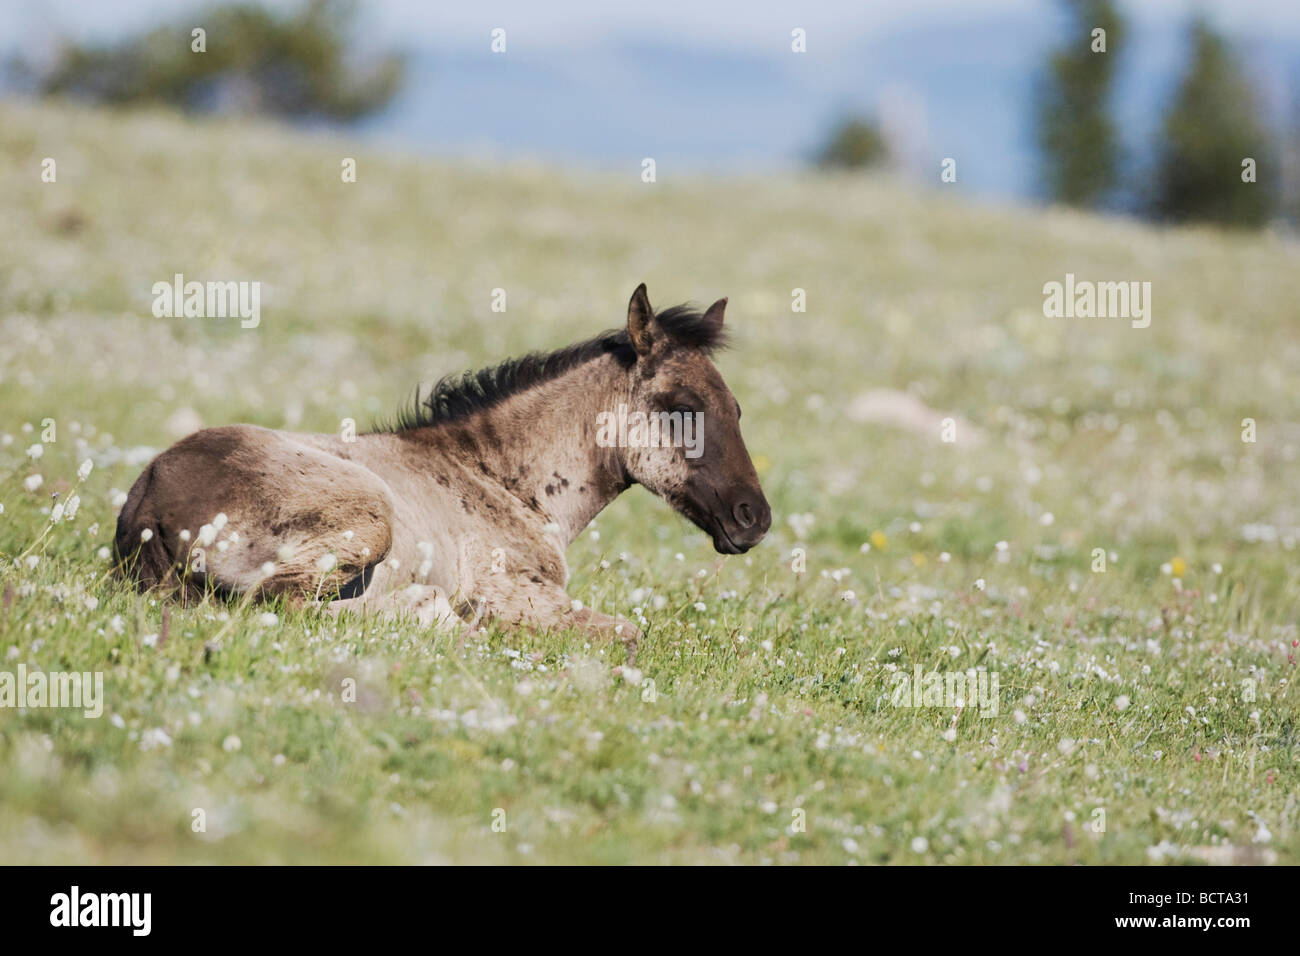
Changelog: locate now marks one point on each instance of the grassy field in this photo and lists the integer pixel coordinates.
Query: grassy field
(1145, 713)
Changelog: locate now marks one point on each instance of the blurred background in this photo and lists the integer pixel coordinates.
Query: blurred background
(1012, 88)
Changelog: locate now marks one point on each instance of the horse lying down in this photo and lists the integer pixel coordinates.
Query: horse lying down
(461, 512)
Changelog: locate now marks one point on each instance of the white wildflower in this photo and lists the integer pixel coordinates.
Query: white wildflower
(154, 737)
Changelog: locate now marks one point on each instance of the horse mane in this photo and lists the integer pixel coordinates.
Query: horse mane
(459, 395)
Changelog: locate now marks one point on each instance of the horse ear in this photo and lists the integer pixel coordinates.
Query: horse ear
(713, 316)
(639, 317)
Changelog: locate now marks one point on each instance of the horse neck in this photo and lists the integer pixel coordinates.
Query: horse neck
(544, 447)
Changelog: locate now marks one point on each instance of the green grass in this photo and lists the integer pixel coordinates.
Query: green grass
(774, 698)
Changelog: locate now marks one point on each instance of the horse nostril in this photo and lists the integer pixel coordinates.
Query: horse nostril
(744, 514)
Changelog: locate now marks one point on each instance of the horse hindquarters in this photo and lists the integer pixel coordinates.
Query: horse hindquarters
(264, 512)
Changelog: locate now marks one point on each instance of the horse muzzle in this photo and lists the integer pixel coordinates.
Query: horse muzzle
(744, 526)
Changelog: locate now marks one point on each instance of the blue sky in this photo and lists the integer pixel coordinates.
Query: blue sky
(563, 22)
(714, 85)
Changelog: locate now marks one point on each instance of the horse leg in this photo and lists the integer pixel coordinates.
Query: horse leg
(428, 605)
(547, 606)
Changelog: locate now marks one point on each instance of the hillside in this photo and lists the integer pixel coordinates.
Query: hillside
(1121, 690)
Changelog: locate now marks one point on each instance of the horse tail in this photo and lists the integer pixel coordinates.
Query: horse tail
(140, 551)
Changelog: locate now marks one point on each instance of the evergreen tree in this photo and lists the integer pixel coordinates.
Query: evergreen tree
(853, 144)
(1211, 128)
(1075, 133)
(256, 60)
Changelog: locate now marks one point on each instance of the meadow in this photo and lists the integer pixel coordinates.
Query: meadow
(1102, 534)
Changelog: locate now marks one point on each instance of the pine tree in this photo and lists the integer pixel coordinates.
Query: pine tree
(1211, 129)
(853, 144)
(265, 60)
(1075, 133)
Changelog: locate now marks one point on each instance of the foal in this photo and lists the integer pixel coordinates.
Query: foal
(464, 509)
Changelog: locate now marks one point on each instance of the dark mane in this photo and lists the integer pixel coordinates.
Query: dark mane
(457, 396)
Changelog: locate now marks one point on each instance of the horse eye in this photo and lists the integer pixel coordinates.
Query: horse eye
(683, 409)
